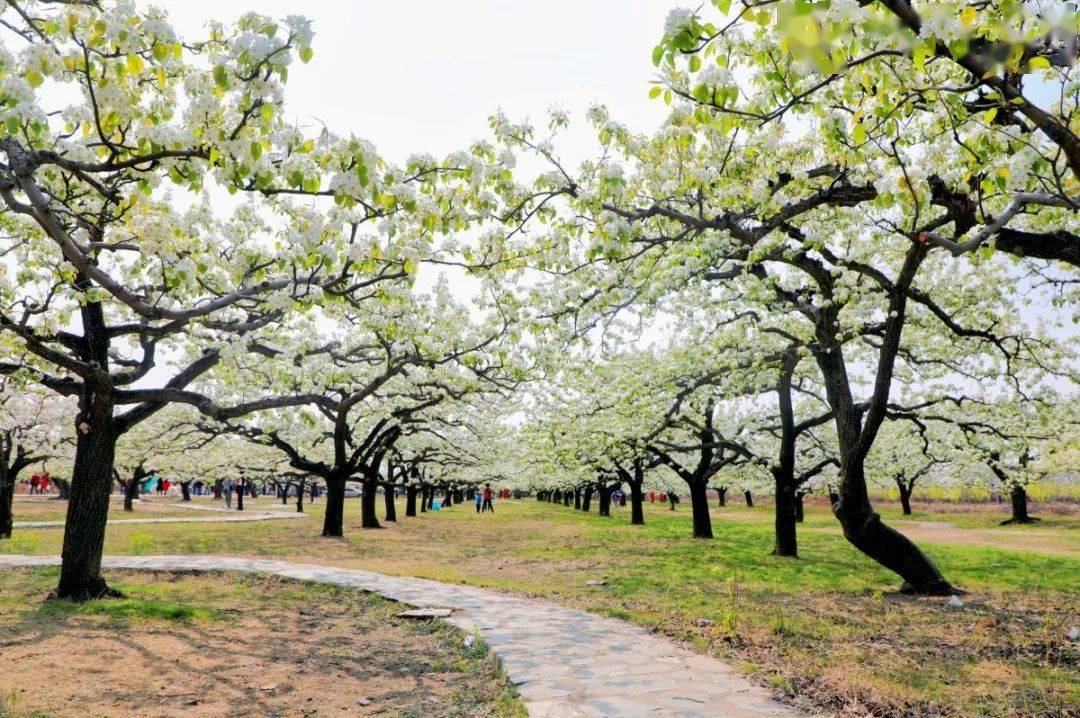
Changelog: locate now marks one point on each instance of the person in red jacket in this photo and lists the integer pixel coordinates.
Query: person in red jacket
(487, 505)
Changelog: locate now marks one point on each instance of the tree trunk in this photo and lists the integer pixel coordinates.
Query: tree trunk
(605, 501)
(749, 498)
(865, 530)
(905, 497)
(218, 488)
(7, 499)
(390, 506)
(423, 499)
(299, 497)
(800, 513)
(185, 491)
(637, 500)
(240, 491)
(786, 543)
(699, 506)
(368, 519)
(586, 500)
(334, 519)
(1019, 500)
(448, 500)
(88, 506)
(721, 494)
(577, 499)
(410, 501)
(131, 491)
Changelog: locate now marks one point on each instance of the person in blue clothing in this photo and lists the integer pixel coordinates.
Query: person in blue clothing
(479, 499)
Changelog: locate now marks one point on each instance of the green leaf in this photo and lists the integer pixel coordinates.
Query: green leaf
(655, 92)
(989, 115)
(695, 63)
(12, 125)
(34, 78)
(256, 150)
(859, 134)
(160, 51)
(657, 54)
(306, 53)
(267, 111)
(221, 77)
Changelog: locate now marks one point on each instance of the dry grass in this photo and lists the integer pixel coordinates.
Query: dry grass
(227, 646)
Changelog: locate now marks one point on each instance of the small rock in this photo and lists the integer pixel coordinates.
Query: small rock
(955, 602)
(704, 622)
(363, 701)
(268, 688)
(596, 582)
(191, 702)
(1073, 633)
(469, 641)
(426, 613)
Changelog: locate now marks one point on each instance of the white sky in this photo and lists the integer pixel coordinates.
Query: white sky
(424, 75)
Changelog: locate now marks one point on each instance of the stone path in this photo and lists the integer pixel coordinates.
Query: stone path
(238, 517)
(566, 663)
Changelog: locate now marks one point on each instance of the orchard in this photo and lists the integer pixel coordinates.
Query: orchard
(788, 376)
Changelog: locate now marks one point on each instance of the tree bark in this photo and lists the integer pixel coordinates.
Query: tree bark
(7, 497)
(368, 519)
(88, 506)
(721, 494)
(800, 512)
(605, 501)
(905, 496)
(240, 491)
(749, 498)
(699, 506)
(410, 501)
(786, 543)
(865, 530)
(1018, 499)
(185, 491)
(586, 499)
(577, 499)
(637, 501)
(334, 519)
(389, 505)
(299, 497)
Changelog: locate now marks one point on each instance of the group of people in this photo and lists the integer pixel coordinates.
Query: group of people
(483, 500)
(39, 483)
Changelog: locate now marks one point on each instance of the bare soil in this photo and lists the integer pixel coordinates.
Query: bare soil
(229, 646)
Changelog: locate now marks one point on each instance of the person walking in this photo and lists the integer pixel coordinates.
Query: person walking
(479, 500)
(226, 488)
(487, 505)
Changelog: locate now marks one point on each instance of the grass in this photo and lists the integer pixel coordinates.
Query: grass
(826, 629)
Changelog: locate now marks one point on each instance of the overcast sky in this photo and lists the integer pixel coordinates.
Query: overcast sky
(424, 75)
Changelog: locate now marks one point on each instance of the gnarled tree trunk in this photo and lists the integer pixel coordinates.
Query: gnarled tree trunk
(368, 519)
(389, 506)
(1019, 500)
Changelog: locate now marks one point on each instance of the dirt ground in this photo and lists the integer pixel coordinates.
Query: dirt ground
(228, 646)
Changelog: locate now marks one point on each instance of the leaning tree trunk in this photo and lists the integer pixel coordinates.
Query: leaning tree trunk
(786, 543)
(88, 506)
(410, 501)
(586, 499)
(699, 507)
(721, 495)
(389, 504)
(865, 530)
(368, 519)
(334, 519)
(749, 498)
(637, 500)
(1019, 500)
(905, 497)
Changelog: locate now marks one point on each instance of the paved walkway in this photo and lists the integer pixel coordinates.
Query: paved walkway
(237, 517)
(566, 663)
